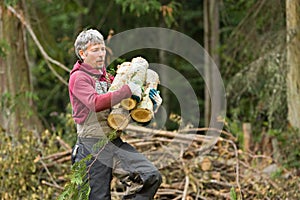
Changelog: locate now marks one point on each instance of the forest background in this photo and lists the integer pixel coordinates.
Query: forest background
(255, 45)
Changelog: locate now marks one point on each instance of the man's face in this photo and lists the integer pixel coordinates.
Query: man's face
(94, 55)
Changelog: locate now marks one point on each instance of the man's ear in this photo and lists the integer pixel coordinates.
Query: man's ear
(82, 54)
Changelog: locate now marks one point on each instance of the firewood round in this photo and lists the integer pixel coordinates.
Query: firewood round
(141, 115)
(128, 104)
(118, 119)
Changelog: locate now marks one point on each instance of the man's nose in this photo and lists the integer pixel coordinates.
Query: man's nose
(102, 53)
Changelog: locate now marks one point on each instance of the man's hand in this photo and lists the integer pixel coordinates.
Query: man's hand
(136, 91)
(155, 98)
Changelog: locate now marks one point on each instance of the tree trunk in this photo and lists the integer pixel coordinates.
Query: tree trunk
(17, 108)
(211, 43)
(293, 61)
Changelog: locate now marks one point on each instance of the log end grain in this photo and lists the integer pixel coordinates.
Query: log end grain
(141, 115)
(118, 119)
(128, 104)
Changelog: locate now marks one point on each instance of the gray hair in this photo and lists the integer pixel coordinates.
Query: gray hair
(85, 38)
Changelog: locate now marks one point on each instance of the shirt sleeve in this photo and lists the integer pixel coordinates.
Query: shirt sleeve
(85, 92)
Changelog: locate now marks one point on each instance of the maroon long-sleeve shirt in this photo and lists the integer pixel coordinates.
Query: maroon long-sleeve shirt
(83, 95)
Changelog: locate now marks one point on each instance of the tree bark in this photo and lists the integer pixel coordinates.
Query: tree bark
(17, 109)
(211, 43)
(293, 61)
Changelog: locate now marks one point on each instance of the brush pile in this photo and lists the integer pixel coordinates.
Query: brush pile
(196, 166)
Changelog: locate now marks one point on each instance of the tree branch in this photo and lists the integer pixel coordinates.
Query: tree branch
(43, 52)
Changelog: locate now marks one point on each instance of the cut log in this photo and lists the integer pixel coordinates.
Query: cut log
(206, 164)
(128, 104)
(121, 77)
(135, 73)
(152, 79)
(118, 119)
(138, 71)
(144, 111)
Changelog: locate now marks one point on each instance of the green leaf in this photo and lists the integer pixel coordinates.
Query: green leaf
(232, 194)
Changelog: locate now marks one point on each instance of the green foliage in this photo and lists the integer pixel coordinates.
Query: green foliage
(4, 48)
(253, 62)
(21, 174)
(232, 12)
(78, 186)
(9, 103)
(64, 125)
(289, 147)
(169, 12)
(233, 195)
(235, 127)
(6, 104)
(258, 93)
(56, 31)
(52, 95)
(140, 7)
(11, 2)
(277, 173)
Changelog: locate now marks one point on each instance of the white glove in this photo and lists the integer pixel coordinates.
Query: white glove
(136, 91)
(155, 98)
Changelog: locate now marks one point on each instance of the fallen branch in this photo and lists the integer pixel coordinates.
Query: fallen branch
(63, 143)
(52, 185)
(49, 174)
(57, 155)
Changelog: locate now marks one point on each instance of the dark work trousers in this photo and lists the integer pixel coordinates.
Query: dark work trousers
(117, 156)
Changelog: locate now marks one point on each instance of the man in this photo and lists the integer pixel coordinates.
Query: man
(91, 104)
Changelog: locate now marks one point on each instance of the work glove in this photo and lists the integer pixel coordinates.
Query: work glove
(155, 98)
(136, 91)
